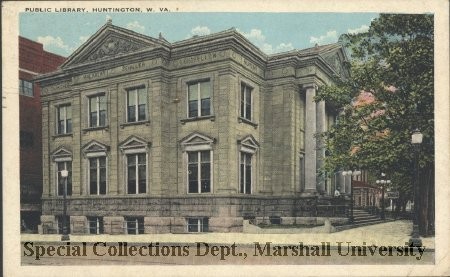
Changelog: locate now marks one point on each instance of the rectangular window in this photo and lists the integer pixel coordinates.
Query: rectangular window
(134, 225)
(199, 172)
(199, 98)
(137, 173)
(97, 111)
(245, 173)
(276, 220)
(246, 102)
(61, 182)
(64, 119)
(95, 224)
(26, 88)
(97, 176)
(197, 225)
(137, 104)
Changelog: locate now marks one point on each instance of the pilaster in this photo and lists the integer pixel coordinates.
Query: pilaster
(45, 150)
(114, 167)
(310, 140)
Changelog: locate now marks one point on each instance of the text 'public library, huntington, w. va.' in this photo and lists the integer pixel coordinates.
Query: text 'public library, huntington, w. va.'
(192, 136)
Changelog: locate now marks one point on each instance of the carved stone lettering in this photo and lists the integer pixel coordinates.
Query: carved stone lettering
(56, 87)
(246, 63)
(214, 56)
(129, 68)
(280, 72)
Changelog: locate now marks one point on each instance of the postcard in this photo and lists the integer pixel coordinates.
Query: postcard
(225, 138)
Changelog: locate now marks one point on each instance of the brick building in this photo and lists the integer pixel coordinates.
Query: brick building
(33, 60)
(190, 136)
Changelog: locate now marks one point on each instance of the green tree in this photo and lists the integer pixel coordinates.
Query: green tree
(389, 94)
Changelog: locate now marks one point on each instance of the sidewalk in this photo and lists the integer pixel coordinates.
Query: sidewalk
(394, 233)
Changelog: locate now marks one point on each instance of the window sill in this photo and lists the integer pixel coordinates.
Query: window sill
(85, 130)
(146, 122)
(62, 135)
(210, 117)
(246, 121)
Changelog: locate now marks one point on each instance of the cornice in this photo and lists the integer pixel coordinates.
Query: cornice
(219, 37)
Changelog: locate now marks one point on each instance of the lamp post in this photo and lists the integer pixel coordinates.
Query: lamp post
(416, 140)
(65, 235)
(383, 182)
(351, 173)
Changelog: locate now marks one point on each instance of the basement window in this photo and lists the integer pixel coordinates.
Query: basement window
(197, 225)
(275, 220)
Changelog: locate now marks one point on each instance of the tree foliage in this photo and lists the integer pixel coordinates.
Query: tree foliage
(389, 94)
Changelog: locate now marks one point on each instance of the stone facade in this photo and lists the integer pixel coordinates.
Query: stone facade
(195, 135)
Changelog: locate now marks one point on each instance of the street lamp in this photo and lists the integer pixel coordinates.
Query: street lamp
(65, 235)
(416, 140)
(351, 173)
(383, 182)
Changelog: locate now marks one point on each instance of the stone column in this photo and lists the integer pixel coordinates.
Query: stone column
(321, 125)
(310, 140)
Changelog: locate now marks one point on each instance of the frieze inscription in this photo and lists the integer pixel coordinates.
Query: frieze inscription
(129, 68)
(209, 57)
(247, 63)
(56, 87)
(280, 72)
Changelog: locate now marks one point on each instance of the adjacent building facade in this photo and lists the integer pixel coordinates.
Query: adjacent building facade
(33, 60)
(190, 136)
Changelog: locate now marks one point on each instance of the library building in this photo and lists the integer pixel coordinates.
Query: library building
(140, 135)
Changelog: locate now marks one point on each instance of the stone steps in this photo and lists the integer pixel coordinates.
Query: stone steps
(361, 218)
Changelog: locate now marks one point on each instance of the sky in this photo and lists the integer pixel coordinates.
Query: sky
(63, 33)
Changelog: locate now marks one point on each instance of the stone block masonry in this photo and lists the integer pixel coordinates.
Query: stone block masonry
(195, 135)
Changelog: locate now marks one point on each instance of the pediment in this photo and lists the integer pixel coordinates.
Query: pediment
(337, 60)
(110, 42)
(61, 153)
(95, 146)
(197, 138)
(134, 142)
(249, 141)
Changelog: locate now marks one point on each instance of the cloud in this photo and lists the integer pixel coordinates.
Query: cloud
(362, 29)
(329, 37)
(136, 26)
(283, 47)
(200, 31)
(83, 39)
(50, 41)
(257, 37)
